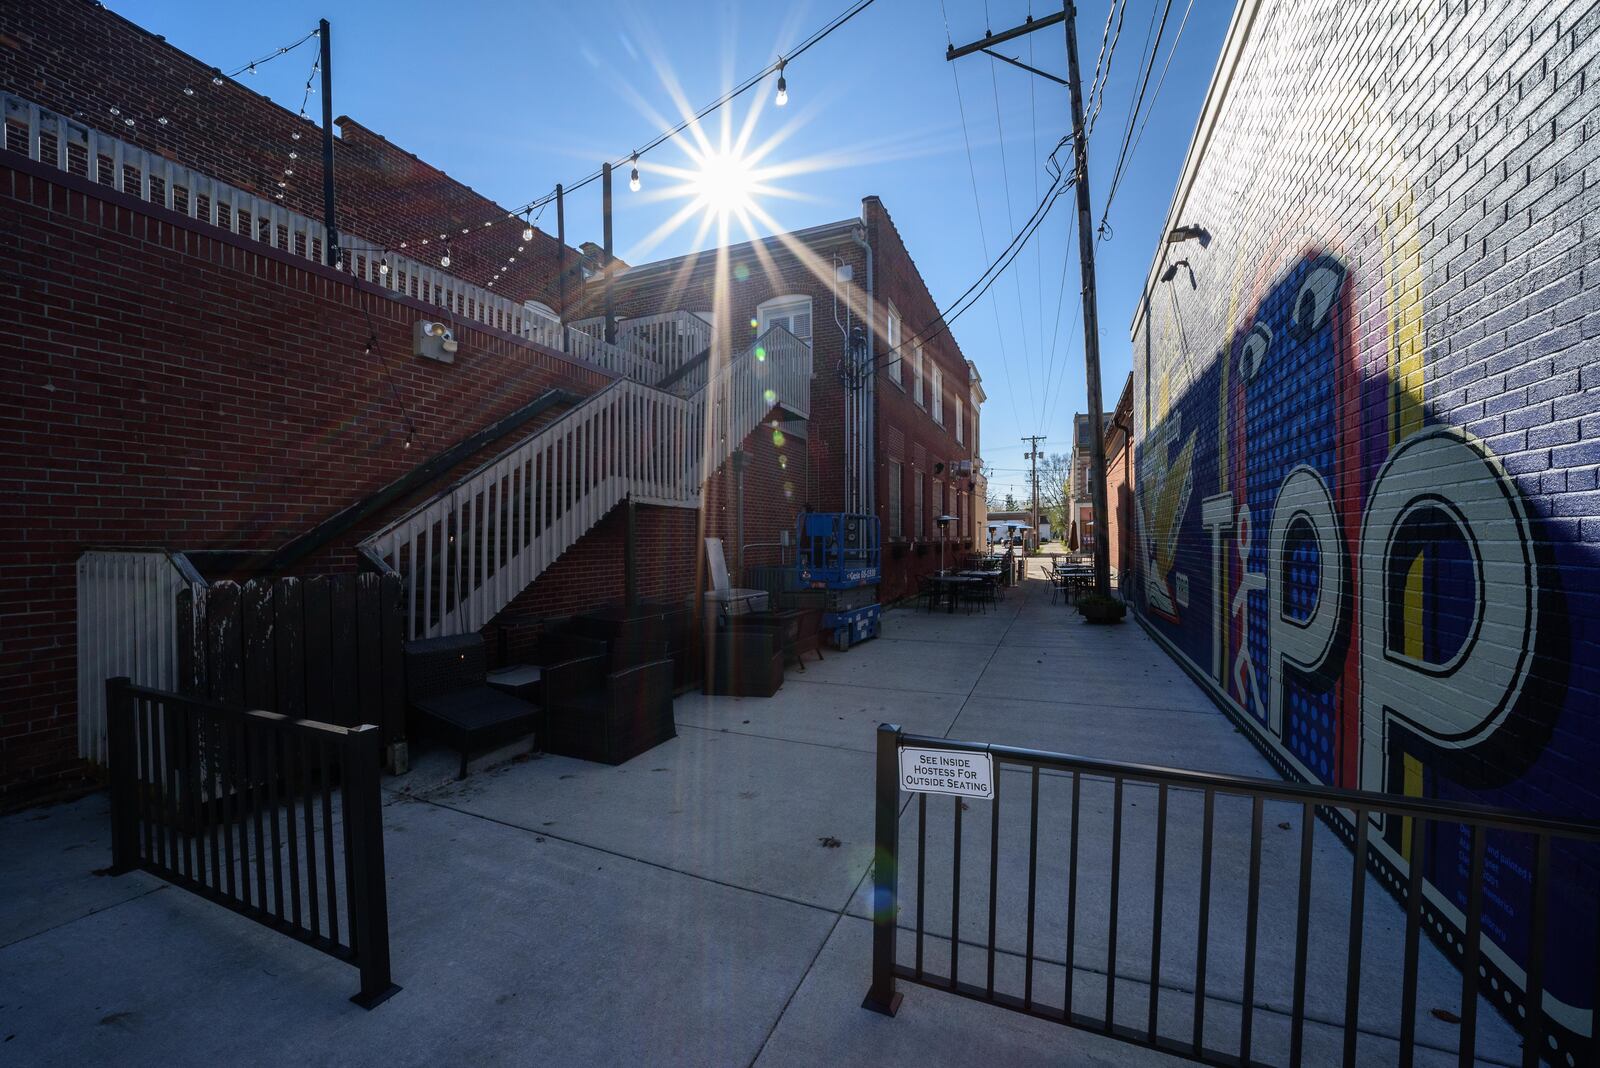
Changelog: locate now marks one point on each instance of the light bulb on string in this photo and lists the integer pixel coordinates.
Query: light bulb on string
(187, 91)
(783, 86)
(444, 261)
(633, 176)
(383, 267)
(527, 226)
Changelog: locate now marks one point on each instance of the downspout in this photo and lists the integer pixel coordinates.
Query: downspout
(867, 421)
(846, 379)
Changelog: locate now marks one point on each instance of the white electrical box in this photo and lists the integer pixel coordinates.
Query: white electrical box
(433, 340)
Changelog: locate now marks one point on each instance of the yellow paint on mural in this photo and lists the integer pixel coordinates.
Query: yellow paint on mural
(1403, 288)
(1411, 786)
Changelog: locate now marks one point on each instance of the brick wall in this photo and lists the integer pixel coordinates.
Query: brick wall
(1368, 426)
(81, 60)
(164, 383)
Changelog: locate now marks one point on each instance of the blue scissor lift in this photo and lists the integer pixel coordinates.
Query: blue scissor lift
(839, 553)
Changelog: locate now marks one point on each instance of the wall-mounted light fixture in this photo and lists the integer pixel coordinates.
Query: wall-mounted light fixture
(1180, 234)
(1172, 270)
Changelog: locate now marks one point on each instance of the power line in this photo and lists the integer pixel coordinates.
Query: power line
(983, 237)
(1011, 220)
(1097, 91)
(1159, 83)
(1133, 115)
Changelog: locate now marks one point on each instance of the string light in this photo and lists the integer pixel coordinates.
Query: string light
(444, 261)
(383, 267)
(783, 86)
(527, 225)
(633, 178)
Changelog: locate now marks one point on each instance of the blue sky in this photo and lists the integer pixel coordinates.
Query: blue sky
(511, 98)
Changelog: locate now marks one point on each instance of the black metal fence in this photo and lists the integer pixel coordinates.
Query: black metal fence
(278, 819)
(1207, 916)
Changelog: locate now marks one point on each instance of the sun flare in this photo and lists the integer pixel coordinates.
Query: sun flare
(725, 183)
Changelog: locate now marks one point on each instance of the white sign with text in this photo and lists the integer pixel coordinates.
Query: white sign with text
(942, 771)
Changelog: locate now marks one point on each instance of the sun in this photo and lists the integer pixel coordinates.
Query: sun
(724, 184)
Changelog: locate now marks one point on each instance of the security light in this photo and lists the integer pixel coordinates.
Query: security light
(1172, 270)
(1179, 234)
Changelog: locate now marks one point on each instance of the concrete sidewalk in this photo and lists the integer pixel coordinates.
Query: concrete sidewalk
(706, 902)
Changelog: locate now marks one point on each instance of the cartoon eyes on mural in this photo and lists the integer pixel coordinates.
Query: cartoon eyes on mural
(1315, 300)
(1253, 351)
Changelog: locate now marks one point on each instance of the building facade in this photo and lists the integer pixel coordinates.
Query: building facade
(1080, 506)
(894, 423)
(1367, 425)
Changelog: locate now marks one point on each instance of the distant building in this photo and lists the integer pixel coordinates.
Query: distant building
(1080, 508)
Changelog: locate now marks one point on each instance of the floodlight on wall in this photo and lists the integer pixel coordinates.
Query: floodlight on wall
(433, 340)
(1179, 234)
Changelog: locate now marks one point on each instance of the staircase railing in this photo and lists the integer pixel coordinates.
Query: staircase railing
(477, 544)
(666, 342)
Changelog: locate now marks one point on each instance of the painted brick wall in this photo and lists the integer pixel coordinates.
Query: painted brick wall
(81, 60)
(164, 383)
(1368, 425)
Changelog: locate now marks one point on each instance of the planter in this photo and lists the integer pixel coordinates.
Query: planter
(1097, 609)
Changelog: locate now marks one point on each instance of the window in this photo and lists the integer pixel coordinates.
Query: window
(893, 337)
(918, 515)
(896, 519)
(916, 382)
(791, 313)
(938, 507)
(960, 410)
(938, 394)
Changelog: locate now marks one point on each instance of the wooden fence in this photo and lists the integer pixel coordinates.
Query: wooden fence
(326, 648)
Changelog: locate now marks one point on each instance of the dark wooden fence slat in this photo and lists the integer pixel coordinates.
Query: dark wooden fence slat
(259, 680)
(319, 653)
(344, 697)
(369, 637)
(392, 720)
(289, 647)
(225, 649)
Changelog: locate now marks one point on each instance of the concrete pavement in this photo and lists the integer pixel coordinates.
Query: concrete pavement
(706, 902)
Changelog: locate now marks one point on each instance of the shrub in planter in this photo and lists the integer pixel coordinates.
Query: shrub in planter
(1099, 608)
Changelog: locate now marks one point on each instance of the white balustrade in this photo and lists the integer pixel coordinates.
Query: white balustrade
(470, 550)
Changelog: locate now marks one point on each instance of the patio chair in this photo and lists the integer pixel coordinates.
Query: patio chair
(607, 717)
(450, 699)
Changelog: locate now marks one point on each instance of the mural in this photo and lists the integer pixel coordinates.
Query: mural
(1372, 594)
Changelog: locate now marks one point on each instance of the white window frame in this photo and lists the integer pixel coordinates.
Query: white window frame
(891, 334)
(897, 518)
(785, 307)
(936, 387)
(960, 420)
(916, 382)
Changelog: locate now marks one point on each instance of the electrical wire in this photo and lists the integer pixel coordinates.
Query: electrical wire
(1011, 219)
(1159, 83)
(1097, 85)
(270, 56)
(815, 38)
(1133, 115)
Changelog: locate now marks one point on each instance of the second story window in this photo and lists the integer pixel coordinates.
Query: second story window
(916, 371)
(895, 356)
(896, 513)
(960, 420)
(791, 313)
(938, 395)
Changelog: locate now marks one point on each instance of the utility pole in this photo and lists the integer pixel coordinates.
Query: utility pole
(1091, 327)
(1033, 457)
(1091, 318)
(605, 208)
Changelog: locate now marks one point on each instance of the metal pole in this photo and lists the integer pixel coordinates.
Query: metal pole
(1091, 319)
(329, 221)
(561, 263)
(882, 996)
(605, 208)
(369, 902)
(1033, 457)
(123, 756)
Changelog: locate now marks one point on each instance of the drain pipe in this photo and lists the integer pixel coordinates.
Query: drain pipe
(850, 442)
(867, 418)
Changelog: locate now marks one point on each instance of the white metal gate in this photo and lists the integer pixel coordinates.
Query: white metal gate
(127, 625)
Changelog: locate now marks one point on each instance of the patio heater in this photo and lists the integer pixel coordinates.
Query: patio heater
(944, 522)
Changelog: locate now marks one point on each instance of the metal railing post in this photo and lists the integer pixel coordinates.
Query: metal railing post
(123, 755)
(882, 996)
(369, 903)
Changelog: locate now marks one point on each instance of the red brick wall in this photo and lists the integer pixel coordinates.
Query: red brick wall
(907, 432)
(164, 383)
(78, 59)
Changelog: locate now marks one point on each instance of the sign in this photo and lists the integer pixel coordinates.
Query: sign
(943, 771)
